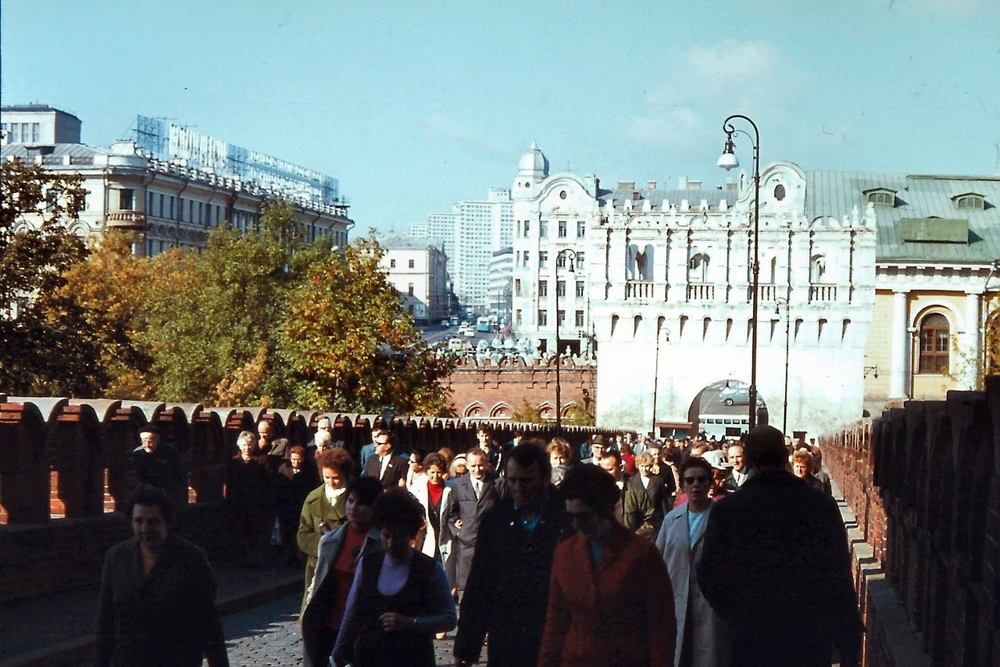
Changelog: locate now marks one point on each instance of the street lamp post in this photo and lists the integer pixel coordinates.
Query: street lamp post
(565, 252)
(656, 368)
(778, 303)
(728, 161)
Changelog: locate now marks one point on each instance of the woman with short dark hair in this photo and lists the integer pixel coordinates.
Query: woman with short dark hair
(610, 599)
(399, 598)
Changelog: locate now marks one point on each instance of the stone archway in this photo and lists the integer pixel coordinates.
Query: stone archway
(722, 409)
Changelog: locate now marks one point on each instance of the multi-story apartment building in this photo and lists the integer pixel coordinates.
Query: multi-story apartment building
(469, 235)
(172, 186)
(872, 289)
(419, 273)
(501, 284)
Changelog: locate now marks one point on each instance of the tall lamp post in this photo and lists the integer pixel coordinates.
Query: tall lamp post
(778, 304)
(565, 252)
(728, 161)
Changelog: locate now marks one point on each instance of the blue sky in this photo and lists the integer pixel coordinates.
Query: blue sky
(414, 106)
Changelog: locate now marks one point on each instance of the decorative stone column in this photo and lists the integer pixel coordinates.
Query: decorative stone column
(971, 351)
(900, 345)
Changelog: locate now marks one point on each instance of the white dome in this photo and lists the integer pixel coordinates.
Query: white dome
(533, 163)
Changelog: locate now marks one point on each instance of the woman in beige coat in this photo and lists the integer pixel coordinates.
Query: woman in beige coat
(680, 541)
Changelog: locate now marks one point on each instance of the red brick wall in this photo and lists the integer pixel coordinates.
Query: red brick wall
(923, 482)
(493, 392)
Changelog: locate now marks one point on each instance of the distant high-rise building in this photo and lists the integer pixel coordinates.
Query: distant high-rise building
(469, 235)
(500, 283)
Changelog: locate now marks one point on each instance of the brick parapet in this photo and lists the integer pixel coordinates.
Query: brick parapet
(66, 473)
(922, 482)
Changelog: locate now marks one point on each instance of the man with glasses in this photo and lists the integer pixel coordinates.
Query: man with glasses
(776, 566)
(384, 465)
(680, 540)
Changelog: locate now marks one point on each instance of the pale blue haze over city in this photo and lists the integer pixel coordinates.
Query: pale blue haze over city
(415, 106)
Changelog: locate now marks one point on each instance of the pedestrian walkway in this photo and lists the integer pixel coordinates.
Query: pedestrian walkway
(58, 630)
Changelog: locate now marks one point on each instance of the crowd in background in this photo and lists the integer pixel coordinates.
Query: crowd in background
(594, 548)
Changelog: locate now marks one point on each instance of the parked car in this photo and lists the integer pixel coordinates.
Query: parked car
(737, 396)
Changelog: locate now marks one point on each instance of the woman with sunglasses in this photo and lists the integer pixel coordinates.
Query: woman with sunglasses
(680, 541)
(338, 555)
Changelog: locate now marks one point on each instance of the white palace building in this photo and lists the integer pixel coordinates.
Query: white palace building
(871, 291)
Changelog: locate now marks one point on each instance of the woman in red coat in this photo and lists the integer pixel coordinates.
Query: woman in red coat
(610, 599)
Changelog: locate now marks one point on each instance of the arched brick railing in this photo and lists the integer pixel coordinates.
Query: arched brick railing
(923, 482)
(66, 471)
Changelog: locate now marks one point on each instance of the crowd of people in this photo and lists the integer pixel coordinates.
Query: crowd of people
(619, 551)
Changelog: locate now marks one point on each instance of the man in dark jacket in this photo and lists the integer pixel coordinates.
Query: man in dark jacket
(507, 591)
(157, 599)
(777, 567)
(160, 465)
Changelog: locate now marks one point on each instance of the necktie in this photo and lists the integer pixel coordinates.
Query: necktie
(477, 488)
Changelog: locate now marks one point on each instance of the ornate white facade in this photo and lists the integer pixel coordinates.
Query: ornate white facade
(666, 292)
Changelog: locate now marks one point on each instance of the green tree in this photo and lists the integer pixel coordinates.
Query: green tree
(46, 345)
(528, 414)
(348, 344)
(213, 319)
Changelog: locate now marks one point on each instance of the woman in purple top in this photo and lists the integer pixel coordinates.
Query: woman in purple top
(399, 599)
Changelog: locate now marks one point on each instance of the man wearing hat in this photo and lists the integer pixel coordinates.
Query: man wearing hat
(160, 465)
(596, 450)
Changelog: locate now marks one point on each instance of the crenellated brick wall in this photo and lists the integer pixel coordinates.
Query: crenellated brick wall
(65, 468)
(923, 483)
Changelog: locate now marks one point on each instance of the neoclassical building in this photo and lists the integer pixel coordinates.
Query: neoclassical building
(873, 289)
(171, 186)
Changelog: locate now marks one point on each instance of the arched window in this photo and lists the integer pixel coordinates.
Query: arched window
(817, 269)
(698, 268)
(934, 340)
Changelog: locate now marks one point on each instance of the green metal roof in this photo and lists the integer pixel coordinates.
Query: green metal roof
(925, 224)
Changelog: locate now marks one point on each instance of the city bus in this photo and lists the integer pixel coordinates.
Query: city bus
(483, 323)
(723, 426)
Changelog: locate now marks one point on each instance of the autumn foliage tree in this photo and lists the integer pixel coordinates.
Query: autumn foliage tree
(258, 318)
(348, 343)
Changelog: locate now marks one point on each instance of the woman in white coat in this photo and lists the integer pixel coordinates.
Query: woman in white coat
(680, 541)
(435, 497)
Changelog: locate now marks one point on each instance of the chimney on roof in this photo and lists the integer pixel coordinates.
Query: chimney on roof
(635, 195)
(650, 185)
(730, 183)
(682, 182)
(626, 185)
(694, 185)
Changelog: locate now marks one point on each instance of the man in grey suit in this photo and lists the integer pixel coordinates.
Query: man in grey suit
(471, 496)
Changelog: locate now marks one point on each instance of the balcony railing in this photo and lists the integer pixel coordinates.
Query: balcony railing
(822, 293)
(700, 292)
(640, 289)
(126, 220)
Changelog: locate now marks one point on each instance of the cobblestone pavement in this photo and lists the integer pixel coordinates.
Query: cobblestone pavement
(269, 635)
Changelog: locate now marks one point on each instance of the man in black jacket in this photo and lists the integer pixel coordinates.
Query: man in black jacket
(385, 465)
(507, 591)
(157, 599)
(777, 567)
